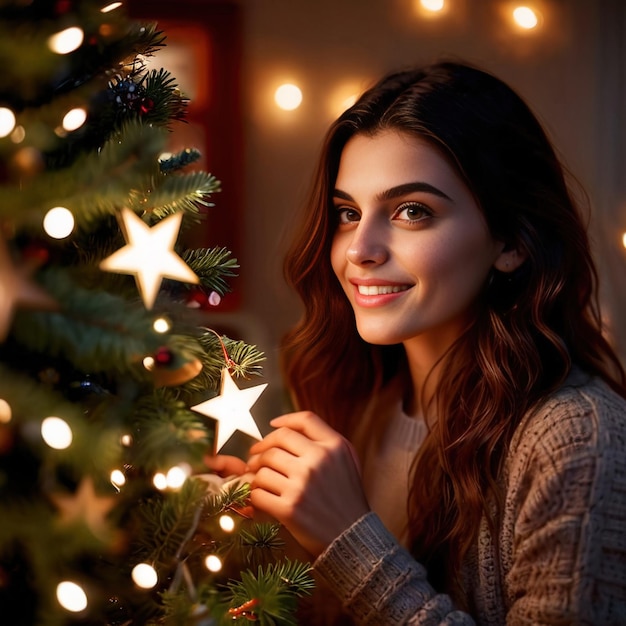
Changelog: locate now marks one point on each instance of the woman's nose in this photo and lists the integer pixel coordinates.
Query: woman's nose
(367, 246)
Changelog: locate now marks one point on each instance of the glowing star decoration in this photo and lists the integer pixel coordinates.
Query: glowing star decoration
(17, 290)
(232, 409)
(149, 255)
(85, 505)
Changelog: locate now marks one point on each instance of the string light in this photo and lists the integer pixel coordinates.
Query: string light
(213, 563)
(7, 121)
(144, 575)
(74, 119)
(624, 240)
(161, 325)
(148, 363)
(159, 480)
(288, 97)
(525, 17)
(5, 412)
(58, 222)
(111, 7)
(71, 596)
(227, 523)
(67, 40)
(177, 475)
(126, 440)
(432, 5)
(18, 135)
(118, 478)
(56, 433)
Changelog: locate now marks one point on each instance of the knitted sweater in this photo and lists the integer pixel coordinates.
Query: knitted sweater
(559, 556)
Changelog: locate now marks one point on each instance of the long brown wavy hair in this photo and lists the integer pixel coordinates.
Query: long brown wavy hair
(529, 327)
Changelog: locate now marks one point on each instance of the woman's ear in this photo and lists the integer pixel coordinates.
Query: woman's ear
(509, 259)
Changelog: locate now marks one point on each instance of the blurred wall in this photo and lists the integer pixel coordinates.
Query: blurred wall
(569, 70)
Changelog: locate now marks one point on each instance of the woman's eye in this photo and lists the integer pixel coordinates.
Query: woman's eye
(412, 212)
(346, 215)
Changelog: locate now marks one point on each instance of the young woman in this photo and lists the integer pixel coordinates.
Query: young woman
(460, 453)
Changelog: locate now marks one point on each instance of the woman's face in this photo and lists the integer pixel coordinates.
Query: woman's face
(412, 249)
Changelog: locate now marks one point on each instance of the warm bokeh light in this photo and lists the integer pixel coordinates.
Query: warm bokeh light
(145, 576)
(5, 412)
(288, 97)
(432, 5)
(111, 7)
(525, 17)
(58, 222)
(18, 135)
(160, 481)
(177, 475)
(118, 478)
(148, 363)
(74, 119)
(71, 596)
(624, 240)
(227, 523)
(67, 40)
(7, 121)
(126, 440)
(213, 563)
(56, 433)
(161, 325)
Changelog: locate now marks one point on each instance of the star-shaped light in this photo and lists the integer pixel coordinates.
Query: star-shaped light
(232, 409)
(149, 254)
(85, 505)
(17, 290)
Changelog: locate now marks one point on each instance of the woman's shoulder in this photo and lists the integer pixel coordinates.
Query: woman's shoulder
(581, 420)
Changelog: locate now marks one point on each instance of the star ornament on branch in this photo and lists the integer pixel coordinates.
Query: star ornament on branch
(18, 291)
(149, 254)
(231, 409)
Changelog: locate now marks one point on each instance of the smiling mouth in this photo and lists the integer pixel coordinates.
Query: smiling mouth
(378, 290)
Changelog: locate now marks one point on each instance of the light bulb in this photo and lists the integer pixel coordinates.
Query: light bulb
(7, 121)
(227, 523)
(288, 97)
(56, 433)
(213, 563)
(71, 596)
(5, 412)
(74, 119)
(110, 7)
(58, 222)
(66, 41)
(145, 576)
(118, 478)
(161, 325)
(432, 5)
(525, 17)
(159, 480)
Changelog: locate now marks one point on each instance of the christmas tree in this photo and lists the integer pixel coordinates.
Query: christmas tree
(109, 380)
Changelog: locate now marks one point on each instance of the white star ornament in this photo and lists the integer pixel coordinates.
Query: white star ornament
(231, 409)
(149, 254)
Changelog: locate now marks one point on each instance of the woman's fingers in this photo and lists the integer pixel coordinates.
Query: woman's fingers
(225, 465)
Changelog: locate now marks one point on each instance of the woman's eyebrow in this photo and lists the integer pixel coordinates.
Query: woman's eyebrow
(406, 188)
(398, 191)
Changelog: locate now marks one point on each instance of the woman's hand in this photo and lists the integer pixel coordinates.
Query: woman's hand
(307, 477)
(225, 466)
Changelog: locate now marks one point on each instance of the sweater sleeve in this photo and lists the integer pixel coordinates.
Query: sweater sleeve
(380, 583)
(566, 508)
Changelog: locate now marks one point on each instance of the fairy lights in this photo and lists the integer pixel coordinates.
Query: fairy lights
(144, 576)
(56, 433)
(117, 478)
(74, 119)
(58, 222)
(67, 40)
(288, 97)
(111, 7)
(525, 17)
(161, 325)
(71, 596)
(7, 121)
(213, 563)
(5, 412)
(227, 523)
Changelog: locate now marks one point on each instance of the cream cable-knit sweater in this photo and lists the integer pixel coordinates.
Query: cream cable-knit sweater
(560, 554)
